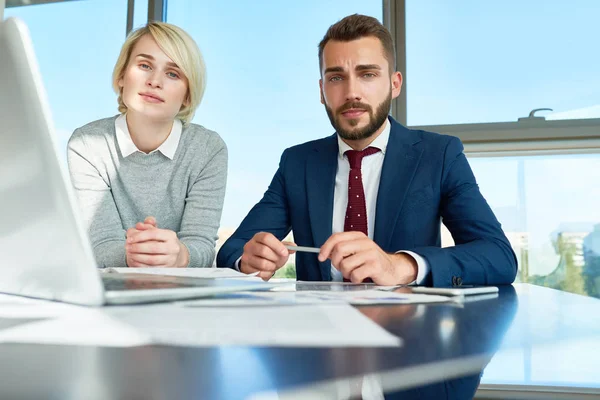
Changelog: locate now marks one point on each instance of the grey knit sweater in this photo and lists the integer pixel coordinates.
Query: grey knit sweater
(114, 192)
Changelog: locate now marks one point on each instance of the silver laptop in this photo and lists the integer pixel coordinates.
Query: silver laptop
(44, 249)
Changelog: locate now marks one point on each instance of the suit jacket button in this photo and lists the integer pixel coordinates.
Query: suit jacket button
(453, 281)
(459, 281)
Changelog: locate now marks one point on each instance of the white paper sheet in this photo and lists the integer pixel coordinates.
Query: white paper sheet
(294, 286)
(299, 326)
(289, 298)
(373, 296)
(186, 272)
(24, 320)
(334, 324)
(253, 299)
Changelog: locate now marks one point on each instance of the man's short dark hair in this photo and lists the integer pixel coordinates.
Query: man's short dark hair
(358, 26)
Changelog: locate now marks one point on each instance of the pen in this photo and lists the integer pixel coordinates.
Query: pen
(303, 248)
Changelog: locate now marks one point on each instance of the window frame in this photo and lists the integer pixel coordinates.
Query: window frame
(531, 136)
(526, 136)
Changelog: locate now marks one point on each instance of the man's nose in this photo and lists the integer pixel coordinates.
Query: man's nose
(352, 90)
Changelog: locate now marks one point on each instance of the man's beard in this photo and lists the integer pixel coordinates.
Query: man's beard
(375, 121)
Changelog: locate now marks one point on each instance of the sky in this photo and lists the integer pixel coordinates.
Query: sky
(468, 61)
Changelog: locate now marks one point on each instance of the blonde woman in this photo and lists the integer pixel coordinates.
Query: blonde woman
(150, 183)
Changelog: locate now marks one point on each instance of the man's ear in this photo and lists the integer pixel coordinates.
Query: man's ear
(396, 84)
(321, 91)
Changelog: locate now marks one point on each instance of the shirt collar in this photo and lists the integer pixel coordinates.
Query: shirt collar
(380, 142)
(167, 148)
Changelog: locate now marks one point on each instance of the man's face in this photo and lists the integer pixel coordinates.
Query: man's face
(357, 86)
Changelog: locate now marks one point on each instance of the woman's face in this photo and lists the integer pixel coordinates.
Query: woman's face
(152, 84)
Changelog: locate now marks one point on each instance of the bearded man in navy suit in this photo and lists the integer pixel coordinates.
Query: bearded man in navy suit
(377, 218)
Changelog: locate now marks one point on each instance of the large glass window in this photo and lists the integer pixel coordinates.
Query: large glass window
(472, 67)
(263, 93)
(548, 210)
(493, 61)
(76, 44)
(140, 13)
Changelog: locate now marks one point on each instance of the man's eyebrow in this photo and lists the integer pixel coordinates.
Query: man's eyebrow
(367, 67)
(333, 69)
(362, 67)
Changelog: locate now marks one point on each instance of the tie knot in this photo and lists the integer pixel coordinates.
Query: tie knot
(355, 156)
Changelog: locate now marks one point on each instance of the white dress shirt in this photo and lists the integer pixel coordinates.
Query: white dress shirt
(167, 148)
(371, 175)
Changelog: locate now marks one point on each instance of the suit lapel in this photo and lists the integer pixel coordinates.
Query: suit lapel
(321, 168)
(399, 166)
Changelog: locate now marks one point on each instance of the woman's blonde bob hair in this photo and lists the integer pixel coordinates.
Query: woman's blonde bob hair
(180, 48)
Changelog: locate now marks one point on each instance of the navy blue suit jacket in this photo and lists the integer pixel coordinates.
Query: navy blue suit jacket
(425, 179)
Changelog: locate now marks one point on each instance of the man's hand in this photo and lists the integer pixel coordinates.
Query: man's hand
(357, 257)
(149, 246)
(265, 254)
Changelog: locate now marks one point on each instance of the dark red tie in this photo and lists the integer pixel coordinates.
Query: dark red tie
(356, 210)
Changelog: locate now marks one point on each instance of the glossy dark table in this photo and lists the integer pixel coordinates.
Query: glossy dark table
(446, 346)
